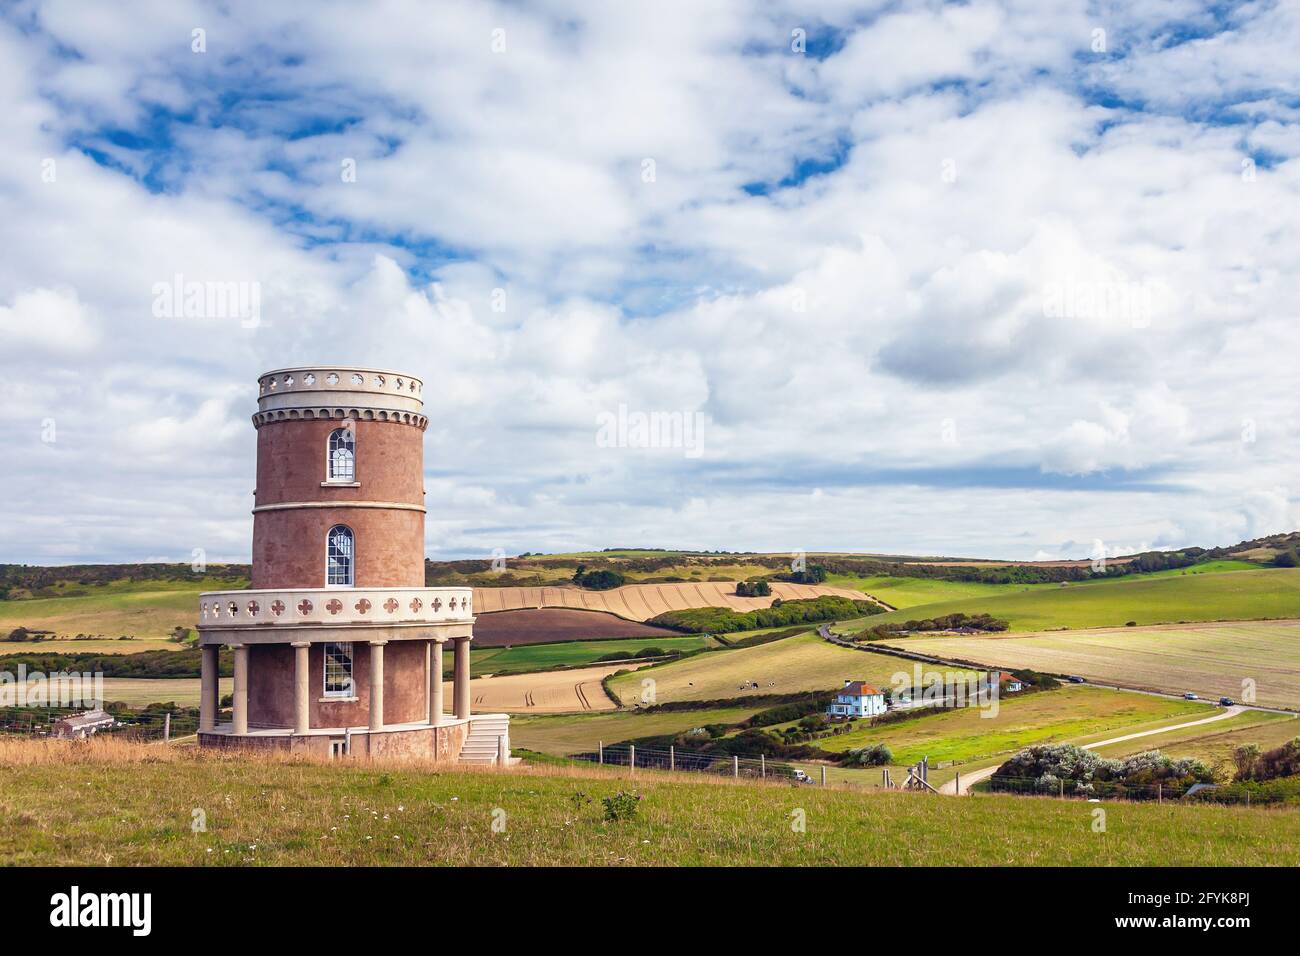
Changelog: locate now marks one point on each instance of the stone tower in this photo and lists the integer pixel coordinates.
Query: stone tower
(338, 645)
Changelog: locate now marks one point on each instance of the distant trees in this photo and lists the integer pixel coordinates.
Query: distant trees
(755, 588)
(599, 580)
(721, 620)
(1281, 761)
(1285, 559)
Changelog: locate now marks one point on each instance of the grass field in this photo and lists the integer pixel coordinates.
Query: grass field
(536, 657)
(544, 692)
(1208, 659)
(787, 666)
(1147, 599)
(1215, 742)
(902, 592)
(90, 646)
(575, 733)
(138, 692)
(147, 609)
(110, 803)
(1066, 714)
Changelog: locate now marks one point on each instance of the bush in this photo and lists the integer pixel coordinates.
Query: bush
(621, 806)
(1285, 559)
(1053, 767)
(873, 755)
(1281, 761)
(757, 588)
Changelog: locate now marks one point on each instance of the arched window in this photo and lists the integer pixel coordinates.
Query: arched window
(341, 465)
(339, 557)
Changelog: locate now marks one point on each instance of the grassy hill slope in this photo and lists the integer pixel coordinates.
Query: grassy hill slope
(132, 805)
(1146, 599)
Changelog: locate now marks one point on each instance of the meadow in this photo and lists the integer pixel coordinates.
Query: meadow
(965, 735)
(565, 734)
(1214, 743)
(904, 592)
(534, 657)
(1160, 598)
(1208, 659)
(113, 803)
(143, 609)
(787, 666)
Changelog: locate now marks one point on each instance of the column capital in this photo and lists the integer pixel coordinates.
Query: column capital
(301, 644)
(236, 647)
(377, 643)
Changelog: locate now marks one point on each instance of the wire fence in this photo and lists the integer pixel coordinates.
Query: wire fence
(61, 722)
(1098, 790)
(693, 761)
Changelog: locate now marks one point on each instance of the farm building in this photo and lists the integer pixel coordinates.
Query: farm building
(82, 725)
(1006, 682)
(857, 699)
(338, 645)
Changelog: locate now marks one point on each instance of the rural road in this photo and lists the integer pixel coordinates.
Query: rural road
(974, 777)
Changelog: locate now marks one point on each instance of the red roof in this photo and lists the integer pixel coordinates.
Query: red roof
(858, 688)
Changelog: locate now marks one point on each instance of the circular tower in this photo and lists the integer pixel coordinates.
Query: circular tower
(340, 479)
(338, 644)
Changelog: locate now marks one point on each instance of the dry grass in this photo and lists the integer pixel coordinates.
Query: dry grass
(1210, 659)
(115, 803)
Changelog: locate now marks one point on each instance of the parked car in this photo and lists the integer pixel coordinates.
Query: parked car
(1189, 696)
(1076, 680)
(1226, 702)
(801, 777)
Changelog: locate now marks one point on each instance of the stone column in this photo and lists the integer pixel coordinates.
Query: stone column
(435, 682)
(462, 677)
(301, 687)
(377, 685)
(209, 687)
(241, 688)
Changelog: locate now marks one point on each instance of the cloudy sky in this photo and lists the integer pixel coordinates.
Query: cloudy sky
(994, 278)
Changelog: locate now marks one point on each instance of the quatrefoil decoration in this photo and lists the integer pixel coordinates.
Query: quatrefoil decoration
(437, 604)
(362, 606)
(277, 608)
(304, 607)
(416, 604)
(390, 605)
(253, 608)
(233, 608)
(334, 606)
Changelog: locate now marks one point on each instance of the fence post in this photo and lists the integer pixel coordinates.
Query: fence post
(167, 727)
(1062, 783)
(735, 766)
(672, 757)
(1160, 793)
(631, 756)
(956, 786)
(823, 775)
(762, 766)
(1247, 798)
(601, 747)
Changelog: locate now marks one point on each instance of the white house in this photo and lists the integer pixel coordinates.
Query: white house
(1009, 683)
(857, 699)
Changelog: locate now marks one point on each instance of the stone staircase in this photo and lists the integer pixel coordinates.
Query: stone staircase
(481, 745)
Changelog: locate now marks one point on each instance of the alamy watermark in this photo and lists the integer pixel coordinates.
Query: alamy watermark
(926, 688)
(211, 299)
(60, 689)
(623, 428)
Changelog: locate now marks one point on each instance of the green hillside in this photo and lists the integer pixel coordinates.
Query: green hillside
(1148, 599)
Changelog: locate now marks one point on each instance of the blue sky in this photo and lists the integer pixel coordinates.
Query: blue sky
(1008, 279)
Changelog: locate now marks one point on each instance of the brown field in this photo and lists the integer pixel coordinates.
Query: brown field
(551, 625)
(640, 602)
(1211, 659)
(548, 692)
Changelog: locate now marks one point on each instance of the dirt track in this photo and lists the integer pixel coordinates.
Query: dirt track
(639, 602)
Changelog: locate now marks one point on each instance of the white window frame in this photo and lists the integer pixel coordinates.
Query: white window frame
(330, 558)
(345, 650)
(343, 441)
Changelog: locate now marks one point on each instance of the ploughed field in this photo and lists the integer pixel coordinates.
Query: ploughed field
(640, 602)
(551, 625)
(547, 692)
(113, 803)
(1211, 660)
